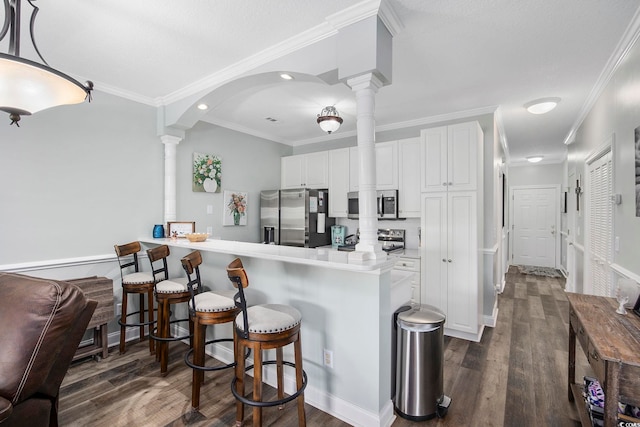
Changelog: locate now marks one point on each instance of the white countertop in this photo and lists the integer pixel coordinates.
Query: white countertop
(320, 257)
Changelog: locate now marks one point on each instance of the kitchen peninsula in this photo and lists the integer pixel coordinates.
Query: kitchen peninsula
(346, 308)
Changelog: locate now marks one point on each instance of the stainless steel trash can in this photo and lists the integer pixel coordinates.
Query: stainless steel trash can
(419, 364)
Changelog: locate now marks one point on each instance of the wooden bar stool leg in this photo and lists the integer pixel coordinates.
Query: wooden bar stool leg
(164, 345)
(240, 349)
(141, 302)
(257, 385)
(297, 345)
(150, 316)
(199, 332)
(280, 375)
(123, 320)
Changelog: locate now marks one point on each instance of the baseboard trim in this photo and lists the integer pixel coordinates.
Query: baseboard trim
(464, 335)
(492, 320)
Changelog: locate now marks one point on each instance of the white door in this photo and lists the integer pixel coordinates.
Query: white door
(534, 226)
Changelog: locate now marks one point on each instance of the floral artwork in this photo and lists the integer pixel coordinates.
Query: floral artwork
(235, 208)
(206, 173)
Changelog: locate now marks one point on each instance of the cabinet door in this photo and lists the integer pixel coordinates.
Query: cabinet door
(354, 169)
(387, 165)
(317, 170)
(434, 159)
(338, 182)
(291, 169)
(462, 276)
(434, 250)
(462, 157)
(409, 178)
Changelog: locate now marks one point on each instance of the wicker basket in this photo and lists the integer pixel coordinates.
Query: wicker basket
(196, 237)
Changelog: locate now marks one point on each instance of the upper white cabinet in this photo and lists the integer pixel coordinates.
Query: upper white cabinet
(338, 182)
(305, 170)
(409, 166)
(450, 157)
(386, 166)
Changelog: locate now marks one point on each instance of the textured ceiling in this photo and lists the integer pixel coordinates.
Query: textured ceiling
(449, 57)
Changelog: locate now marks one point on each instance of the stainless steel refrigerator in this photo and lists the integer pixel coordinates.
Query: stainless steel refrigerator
(295, 217)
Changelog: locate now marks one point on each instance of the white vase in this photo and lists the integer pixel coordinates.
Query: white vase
(210, 185)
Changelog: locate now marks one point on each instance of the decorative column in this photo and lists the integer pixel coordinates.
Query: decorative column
(365, 87)
(170, 200)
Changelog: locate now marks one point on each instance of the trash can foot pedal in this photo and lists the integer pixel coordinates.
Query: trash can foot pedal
(443, 406)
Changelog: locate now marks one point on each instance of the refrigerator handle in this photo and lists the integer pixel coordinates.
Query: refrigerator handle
(380, 198)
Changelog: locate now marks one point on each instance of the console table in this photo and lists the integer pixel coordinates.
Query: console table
(101, 290)
(612, 344)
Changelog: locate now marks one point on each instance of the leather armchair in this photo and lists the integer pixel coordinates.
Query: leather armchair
(41, 324)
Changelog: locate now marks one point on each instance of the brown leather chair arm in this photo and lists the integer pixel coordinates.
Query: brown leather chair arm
(5, 409)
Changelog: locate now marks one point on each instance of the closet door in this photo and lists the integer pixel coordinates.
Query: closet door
(600, 224)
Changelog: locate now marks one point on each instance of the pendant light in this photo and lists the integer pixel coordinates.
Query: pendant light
(27, 87)
(329, 119)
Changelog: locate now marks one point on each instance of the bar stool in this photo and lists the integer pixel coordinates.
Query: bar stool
(205, 308)
(134, 283)
(264, 327)
(168, 291)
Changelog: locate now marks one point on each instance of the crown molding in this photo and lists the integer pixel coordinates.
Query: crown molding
(629, 38)
(353, 14)
(390, 18)
(122, 93)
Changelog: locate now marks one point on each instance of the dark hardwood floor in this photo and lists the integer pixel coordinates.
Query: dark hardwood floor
(516, 376)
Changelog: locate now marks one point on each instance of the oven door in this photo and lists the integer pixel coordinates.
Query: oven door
(352, 206)
(387, 204)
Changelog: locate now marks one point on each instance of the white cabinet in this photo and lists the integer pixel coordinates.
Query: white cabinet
(305, 170)
(450, 258)
(409, 166)
(338, 182)
(452, 228)
(450, 157)
(386, 166)
(412, 265)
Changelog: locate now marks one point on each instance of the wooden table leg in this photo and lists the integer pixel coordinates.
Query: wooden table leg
(572, 362)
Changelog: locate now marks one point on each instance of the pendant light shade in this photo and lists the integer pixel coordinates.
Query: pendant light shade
(329, 119)
(27, 87)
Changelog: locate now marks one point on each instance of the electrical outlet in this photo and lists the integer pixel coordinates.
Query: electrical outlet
(328, 358)
(118, 309)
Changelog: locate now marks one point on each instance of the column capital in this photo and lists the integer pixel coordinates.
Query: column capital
(170, 139)
(365, 81)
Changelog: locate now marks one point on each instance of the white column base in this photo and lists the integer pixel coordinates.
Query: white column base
(367, 252)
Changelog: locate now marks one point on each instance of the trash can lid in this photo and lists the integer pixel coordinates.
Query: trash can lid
(422, 315)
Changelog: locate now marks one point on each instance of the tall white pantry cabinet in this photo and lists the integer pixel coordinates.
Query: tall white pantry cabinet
(451, 185)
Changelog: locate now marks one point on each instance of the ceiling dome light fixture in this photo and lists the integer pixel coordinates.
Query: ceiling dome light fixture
(542, 105)
(286, 76)
(203, 107)
(27, 86)
(329, 119)
(534, 159)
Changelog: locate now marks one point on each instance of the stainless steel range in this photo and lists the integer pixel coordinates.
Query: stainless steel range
(392, 240)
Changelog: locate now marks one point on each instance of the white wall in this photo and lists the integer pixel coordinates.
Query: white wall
(616, 112)
(536, 174)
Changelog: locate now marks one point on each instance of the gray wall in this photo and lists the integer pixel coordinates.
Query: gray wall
(75, 180)
(617, 112)
(249, 164)
(536, 175)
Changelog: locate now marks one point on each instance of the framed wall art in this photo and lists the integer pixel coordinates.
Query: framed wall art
(180, 228)
(207, 173)
(235, 208)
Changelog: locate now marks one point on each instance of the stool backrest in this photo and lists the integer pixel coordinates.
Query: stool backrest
(125, 250)
(238, 276)
(191, 264)
(159, 254)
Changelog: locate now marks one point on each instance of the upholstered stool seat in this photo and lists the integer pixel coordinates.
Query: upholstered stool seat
(135, 282)
(168, 291)
(205, 308)
(264, 327)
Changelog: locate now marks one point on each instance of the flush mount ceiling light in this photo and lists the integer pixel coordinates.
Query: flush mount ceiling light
(534, 159)
(542, 105)
(26, 86)
(329, 119)
(286, 76)
(203, 107)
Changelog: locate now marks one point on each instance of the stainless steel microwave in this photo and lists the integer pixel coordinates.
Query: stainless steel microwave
(386, 202)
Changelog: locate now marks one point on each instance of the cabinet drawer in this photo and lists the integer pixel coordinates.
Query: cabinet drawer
(596, 362)
(579, 330)
(409, 264)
